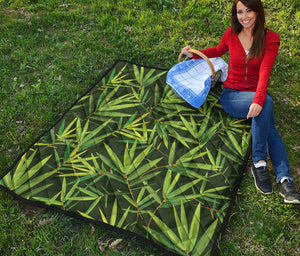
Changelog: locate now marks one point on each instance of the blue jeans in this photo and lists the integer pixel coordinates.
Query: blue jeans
(265, 138)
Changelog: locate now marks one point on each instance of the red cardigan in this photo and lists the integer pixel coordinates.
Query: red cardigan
(252, 75)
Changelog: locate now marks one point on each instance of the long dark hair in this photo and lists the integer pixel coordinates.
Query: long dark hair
(259, 27)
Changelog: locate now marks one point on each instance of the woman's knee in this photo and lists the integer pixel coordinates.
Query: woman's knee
(268, 105)
(236, 103)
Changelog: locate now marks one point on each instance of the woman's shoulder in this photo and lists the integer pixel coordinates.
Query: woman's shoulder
(228, 33)
(272, 37)
(229, 30)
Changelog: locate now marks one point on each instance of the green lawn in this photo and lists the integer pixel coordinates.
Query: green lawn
(52, 51)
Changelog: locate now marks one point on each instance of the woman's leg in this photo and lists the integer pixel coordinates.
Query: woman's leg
(277, 153)
(265, 138)
(237, 104)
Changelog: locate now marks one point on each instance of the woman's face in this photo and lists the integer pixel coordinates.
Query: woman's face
(245, 16)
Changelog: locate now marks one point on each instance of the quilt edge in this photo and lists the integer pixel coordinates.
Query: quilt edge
(86, 220)
(232, 202)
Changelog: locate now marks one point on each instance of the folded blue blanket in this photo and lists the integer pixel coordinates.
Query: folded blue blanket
(191, 80)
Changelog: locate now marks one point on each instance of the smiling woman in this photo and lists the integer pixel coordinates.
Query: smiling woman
(248, 21)
(246, 16)
(253, 50)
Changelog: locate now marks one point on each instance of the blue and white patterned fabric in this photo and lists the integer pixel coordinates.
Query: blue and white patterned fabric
(191, 80)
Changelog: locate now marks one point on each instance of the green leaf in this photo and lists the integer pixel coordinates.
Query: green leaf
(108, 97)
(138, 160)
(215, 196)
(181, 139)
(50, 201)
(35, 191)
(164, 240)
(183, 188)
(21, 168)
(208, 134)
(153, 193)
(89, 140)
(172, 153)
(127, 158)
(143, 178)
(6, 181)
(130, 200)
(82, 198)
(245, 142)
(234, 158)
(63, 190)
(130, 120)
(85, 215)
(188, 126)
(143, 169)
(216, 189)
(204, 123)
(181, 169)
(167, 231)
(191, 155)
(206, 239)
(167, 182)
(91, 104)
(88, 192)
(78, 130)
(112, 75)
(114, 213)
(26, 176)
(156, 95)
(31, 183)
(194, 229)
(172, 185)
(124, 216)
(62, 127)
(114, 158)
(234, 142)
(138, 77)
(67, 131)
(148, 81)
(182, 227)
(176, 200)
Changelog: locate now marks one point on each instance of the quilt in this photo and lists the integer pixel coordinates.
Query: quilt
(130, 155)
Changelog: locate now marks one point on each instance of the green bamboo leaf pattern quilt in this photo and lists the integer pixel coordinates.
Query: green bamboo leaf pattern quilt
(131, 154)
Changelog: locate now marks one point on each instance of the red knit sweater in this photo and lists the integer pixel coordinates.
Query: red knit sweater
(246, 75)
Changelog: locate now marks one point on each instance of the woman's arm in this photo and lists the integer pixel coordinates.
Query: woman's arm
(270, 55)
(265, 71)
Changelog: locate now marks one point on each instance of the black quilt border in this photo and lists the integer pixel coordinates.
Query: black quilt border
(107, 226)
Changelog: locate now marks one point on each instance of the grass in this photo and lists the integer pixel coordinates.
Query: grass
(51, 52)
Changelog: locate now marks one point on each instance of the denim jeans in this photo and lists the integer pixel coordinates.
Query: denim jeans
(265, 138)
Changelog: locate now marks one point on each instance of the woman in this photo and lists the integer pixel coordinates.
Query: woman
(253, 50)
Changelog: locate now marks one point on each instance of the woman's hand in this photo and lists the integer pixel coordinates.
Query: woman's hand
(184, 51)
(254, 110)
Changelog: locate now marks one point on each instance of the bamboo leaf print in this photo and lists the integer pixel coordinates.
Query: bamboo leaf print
(172, 153)
(182, 227)
(169, 234)
(131, 154)
(21, 168)
(26, 183)
(202, 244)
(194, 229)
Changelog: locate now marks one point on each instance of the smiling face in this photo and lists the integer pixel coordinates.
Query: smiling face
(245, 16)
